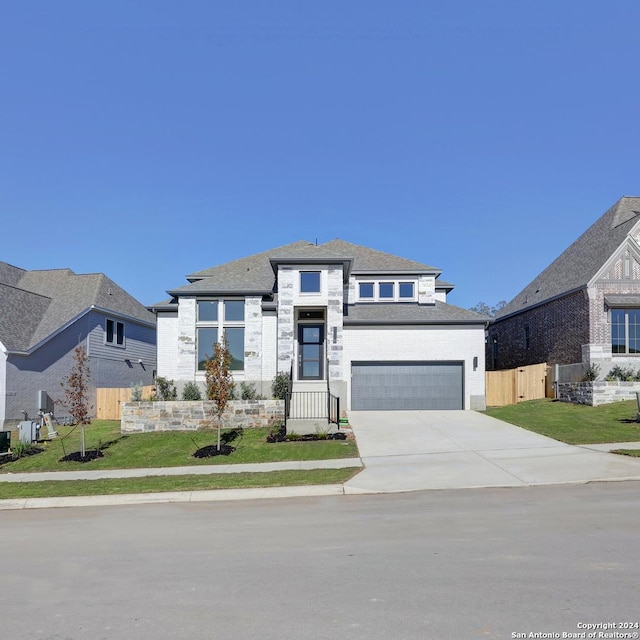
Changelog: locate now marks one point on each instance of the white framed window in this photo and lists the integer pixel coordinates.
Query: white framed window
(218, 318)
(386, 291)
(114, 333)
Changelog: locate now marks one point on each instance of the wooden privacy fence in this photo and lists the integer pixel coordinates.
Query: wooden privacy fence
(516, 385)
(108, 401)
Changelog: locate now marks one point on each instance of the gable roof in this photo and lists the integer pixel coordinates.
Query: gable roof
(254, 274)
(39, 303)
(580, 262)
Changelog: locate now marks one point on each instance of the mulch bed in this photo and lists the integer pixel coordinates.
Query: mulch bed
(280, 436)
(76, 456)
(212, 450)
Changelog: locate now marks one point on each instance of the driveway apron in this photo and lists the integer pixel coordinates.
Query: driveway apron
(414, 450)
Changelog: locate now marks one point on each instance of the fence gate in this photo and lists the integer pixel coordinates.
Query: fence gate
(108, 401)
(516, 385)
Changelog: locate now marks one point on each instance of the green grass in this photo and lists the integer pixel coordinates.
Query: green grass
(152, 484)
(169, 449)
(574, 423)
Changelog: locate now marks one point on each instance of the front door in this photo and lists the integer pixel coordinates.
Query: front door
(310, 351)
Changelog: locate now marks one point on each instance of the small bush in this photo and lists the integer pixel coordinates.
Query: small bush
(322, 433)
(191, 391)
(592, 373)
(248, 392)
(165, 389)
(623, 374)
(136, 392)
(21, 449)
(280, 385)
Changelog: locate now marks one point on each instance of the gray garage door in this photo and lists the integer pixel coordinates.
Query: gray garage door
(377, 386)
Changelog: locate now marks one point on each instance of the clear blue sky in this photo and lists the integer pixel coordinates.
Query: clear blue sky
(150, 139)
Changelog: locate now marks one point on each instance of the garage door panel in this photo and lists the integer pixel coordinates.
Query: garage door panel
(395, 386)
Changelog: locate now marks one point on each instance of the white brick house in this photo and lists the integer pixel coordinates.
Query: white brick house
(373, 327)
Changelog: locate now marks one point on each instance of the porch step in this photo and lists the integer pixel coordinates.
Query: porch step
(309, 385)
(303, 427)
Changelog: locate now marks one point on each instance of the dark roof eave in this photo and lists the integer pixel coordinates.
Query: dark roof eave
(346, 263)
(177, 293)
(398, 272)
(564, 294)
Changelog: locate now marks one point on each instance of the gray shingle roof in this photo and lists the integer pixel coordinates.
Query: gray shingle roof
(41, 302)
(576, 266)
(408, 313)
(255, 274)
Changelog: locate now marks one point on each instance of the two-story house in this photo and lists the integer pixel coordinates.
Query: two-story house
(45, 315)
(374, 327)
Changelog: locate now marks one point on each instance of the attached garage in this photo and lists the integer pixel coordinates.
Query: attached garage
(394, 386)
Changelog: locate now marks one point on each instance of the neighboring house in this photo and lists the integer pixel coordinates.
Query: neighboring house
(374, 327)
(45, 315)
(584, 307)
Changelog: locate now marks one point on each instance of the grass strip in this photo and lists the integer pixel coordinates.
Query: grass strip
(157, 484)
(634, 453)
(574, 423)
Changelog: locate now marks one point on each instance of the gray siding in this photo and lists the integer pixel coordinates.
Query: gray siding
(140, 341)
(49, 365)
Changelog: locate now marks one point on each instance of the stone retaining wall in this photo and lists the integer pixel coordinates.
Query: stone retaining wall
(182, 415)
(598, 392)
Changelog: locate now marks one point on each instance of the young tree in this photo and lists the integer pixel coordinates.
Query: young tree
(76, 392)
(219, 381)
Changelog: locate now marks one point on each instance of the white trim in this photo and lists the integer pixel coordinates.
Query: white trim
(395, 281)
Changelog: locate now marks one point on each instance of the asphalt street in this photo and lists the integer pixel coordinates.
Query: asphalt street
(473, 563)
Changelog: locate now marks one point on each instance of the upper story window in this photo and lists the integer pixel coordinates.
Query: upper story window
(218, 318)
(309, 282)
(366, 290)
(387, 291)
(406, 290)
(114, 332)
(625, 331)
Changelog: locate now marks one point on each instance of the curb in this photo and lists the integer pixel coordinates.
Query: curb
(216, 495)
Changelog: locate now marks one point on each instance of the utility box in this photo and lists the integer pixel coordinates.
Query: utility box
(28, 431)
(5, 441)
(45, 403)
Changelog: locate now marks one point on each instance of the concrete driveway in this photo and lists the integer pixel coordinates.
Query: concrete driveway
(414, 450)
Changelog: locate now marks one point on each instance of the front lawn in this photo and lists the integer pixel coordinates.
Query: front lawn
(170, 449)
(574, 423)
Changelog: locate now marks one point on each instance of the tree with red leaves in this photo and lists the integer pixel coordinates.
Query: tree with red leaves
(76, 392)
(219, 381)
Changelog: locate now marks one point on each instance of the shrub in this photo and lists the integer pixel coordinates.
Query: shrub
(165, 389)
(623, 374)
(136, 392)
(592, 373)
(280, 385)
(191, 391)
(248, 392)
(21, 449)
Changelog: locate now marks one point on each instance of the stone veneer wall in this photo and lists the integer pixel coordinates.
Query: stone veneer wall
(182, 415)
(598, 392)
